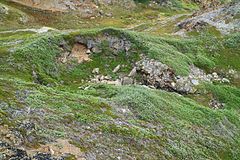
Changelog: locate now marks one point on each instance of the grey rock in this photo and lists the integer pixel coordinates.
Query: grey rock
(117, 68)
(225, 80)
(127, 81)
(221, 18)
(133, 72)
(155, 73)
(195, 82)
(95, 71)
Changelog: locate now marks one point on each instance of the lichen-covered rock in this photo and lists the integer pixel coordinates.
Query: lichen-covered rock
(115, 43)
(155, 73)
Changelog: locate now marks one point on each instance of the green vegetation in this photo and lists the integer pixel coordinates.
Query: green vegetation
(131, 121)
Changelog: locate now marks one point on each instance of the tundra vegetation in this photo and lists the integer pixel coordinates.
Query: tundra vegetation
(131, 79)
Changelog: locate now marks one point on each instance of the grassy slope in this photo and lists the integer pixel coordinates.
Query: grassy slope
(158, 124)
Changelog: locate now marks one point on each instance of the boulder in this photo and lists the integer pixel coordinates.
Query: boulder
(127, 81)
(155, 73)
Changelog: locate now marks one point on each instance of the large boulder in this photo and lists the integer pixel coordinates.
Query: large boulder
(156, 74)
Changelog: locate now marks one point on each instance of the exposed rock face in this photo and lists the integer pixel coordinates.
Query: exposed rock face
(79, 52)
(116, 44)
(225, 19)
(156, 74)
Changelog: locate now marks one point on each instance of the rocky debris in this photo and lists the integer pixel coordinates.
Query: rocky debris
(162, 3)
(216, 104)
(9, 152)
(158, 75)
(234, 74)
(209, 4)
(116, 44)
(204, 4)
(105, 80)
(223, 19)
(216, 78)
(125, 80)
(186, 84)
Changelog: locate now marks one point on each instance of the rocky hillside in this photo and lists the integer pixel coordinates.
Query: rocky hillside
(107, 79)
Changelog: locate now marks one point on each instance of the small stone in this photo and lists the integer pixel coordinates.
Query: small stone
(215, 75)
(107, 78)
(173, 84)
(225, 80)
(95, 71)
(116, 69)
(133, 72)
(195, 82)
(88, 51)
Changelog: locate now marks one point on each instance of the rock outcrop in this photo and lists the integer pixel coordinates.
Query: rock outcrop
(115, 43)
(158, 75)
(225, 19)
